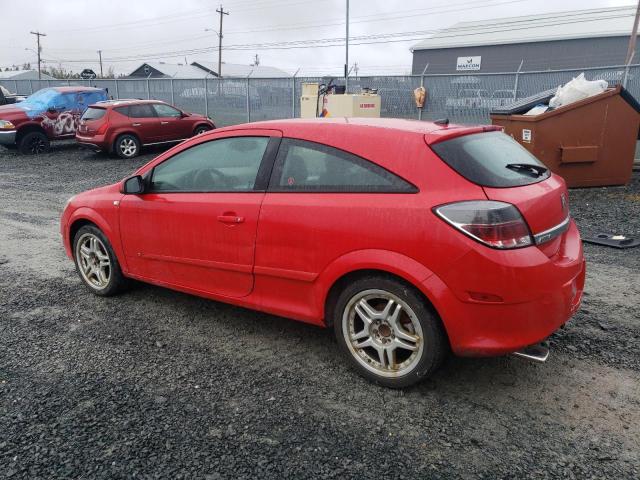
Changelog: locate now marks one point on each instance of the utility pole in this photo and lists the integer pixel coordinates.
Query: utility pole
(38, 35)
(222, 14)
(346, 58)
(631, 51)
(100, 54)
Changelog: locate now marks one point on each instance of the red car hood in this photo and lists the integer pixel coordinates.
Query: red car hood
(11, 112)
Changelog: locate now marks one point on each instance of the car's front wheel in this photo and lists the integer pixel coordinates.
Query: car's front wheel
(200, 129)
(127, 146)
(387, 331)
(96, 263)
(33, 143)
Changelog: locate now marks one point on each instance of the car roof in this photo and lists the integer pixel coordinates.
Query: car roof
(77, 89)
(432, 132)
(125, 101)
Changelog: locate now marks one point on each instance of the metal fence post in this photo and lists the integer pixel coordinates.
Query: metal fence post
(15, 86)
(30, 86)
(515, 85)
(148, 90)
(293, 94)
(206, 101)
(172, 97)
(422, 85)
(248, 102)
(117, 92)
(626, 72)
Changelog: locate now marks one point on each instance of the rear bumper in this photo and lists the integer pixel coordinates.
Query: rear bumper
(532, 296)
(7, 137)
(98, 141)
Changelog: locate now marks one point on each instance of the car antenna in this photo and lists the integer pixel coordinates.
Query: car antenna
(441, 121)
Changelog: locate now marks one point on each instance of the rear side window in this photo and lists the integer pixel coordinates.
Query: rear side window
(491, 159)
(94, 113)
(141, 111)
(123, 110)
(313, 167)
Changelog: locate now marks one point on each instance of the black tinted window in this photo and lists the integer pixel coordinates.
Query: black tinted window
(122, 110)
(93, 113)
(141, 111)
(490, 159)
(228, 164)
(309, 166)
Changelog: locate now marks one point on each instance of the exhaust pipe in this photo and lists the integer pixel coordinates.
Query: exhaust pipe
(534, 353)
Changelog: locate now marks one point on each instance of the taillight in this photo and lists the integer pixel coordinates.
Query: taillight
(103, 128)
(495, 224)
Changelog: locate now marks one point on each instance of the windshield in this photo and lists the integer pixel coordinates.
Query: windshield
(491, 159)
(40, 100)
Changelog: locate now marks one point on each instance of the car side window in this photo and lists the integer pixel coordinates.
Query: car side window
(303, 166)
(141, 111)
(223, 165)
(166, 111)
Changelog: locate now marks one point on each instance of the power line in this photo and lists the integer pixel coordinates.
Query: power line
(336, 42)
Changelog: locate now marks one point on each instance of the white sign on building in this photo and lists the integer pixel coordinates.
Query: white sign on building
(468, 63)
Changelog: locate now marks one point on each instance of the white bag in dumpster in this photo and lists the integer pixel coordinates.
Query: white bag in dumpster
(577, 89)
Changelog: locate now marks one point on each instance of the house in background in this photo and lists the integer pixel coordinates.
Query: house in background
(23, 75)
(204, 69)
(167, 70)
(552, 41)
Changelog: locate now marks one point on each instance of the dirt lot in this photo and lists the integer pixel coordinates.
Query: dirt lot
(157, 384)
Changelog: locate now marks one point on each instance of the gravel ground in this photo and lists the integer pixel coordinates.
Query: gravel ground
(157, 384)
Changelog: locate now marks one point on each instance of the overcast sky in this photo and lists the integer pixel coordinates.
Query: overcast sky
(122, 29)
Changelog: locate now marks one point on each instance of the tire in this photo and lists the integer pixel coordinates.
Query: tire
(127, 146)
(33, 143)
(411, 337)
(200, 129)
(90, 249)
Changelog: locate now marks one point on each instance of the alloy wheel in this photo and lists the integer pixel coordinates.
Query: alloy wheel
(37, 145)
(93, 261)
(382, 333)
(128, 147)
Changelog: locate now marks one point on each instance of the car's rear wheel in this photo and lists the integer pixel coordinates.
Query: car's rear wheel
(387, 331)
(33, 143)
(127, 146)
(200, 129)
(96, 263)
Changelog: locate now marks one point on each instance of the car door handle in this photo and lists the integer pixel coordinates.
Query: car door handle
(164, 123)
(233, 219)
(136, 124)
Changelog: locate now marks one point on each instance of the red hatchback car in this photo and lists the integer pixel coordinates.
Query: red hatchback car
(409, 238)
(125, 126)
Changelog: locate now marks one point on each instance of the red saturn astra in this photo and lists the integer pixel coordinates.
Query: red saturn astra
(409, 238)
(123, 127)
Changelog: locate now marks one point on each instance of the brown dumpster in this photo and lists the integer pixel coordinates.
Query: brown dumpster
(591, 142)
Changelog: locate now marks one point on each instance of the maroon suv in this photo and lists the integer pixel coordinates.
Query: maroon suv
(125, 126)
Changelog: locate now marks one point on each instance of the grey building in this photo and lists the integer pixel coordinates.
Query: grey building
(204, 69)
(555, 41)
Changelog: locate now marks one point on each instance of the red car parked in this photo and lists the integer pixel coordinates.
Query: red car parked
(125, 126)
(409, 238)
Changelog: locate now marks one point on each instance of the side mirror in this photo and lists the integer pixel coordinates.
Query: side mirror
(133, 185)
(183, 114)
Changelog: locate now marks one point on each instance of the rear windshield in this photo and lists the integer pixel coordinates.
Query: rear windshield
(491, 159)
(94, 113)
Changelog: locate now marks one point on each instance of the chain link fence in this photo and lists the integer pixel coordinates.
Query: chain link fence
(465, 99)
